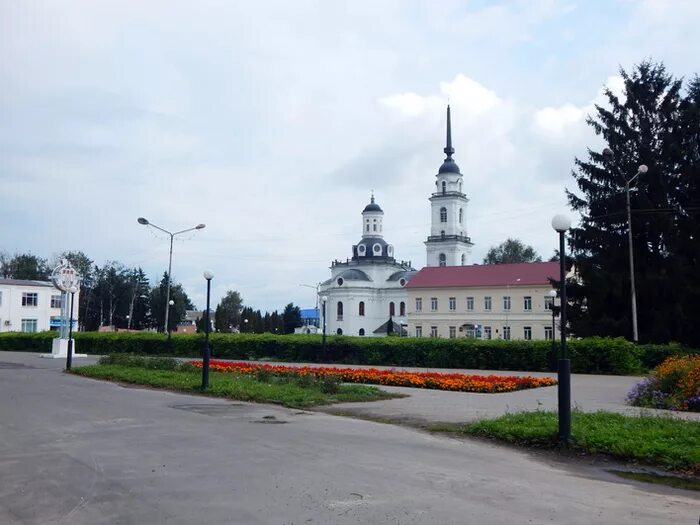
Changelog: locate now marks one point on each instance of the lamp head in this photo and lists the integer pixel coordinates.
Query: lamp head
(171, 302)
(561, 223)
(208, 275)
(324, 298)
(143, 221)
(200, 226)
(552, 293)
(643, 168)
(73, 289)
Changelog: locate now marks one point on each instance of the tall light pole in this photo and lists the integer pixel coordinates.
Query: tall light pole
(561, 223)
(146, 222)
(69, 355)
(553, 359)
(323, 303)
(205, 358)
(608, 153)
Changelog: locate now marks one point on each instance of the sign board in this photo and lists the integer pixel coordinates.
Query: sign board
(65, 276)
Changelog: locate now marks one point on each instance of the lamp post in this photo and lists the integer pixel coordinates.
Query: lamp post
(245, 325)
(607, 152)
(205, 358)
(146, 222)
(561, 223)
(553, 354)
(323, 303)
(69, 355)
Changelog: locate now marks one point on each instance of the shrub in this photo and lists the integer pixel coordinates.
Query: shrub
(674, 385)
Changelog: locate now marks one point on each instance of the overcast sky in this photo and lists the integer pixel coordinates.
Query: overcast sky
(271, 122)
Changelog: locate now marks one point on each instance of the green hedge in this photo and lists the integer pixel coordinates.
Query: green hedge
(594, 355)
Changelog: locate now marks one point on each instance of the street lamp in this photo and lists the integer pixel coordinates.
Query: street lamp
(323, 303)
(146, 222)
(553, 355)
(561, 223)
(608, 153)
(69, 356)
(205, 361)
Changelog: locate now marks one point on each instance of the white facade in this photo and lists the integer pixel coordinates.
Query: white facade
(31, 306)
(448, 243)
(367, 290)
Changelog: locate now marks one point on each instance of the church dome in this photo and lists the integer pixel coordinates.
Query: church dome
(449, 166)
(372, 247)
(372, 206)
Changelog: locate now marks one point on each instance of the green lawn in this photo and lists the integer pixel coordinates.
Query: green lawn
(288, 392)
(664, 441)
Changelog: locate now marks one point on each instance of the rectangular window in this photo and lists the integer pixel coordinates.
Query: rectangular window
(506, 333)
(548, 302)
(30, 299)
(453, 304)
(453, 332)
(527, 333)
(487, 303)
(487, 332)
(548, 333)
(55, 301)
(506, 302)
(527, 302)
(29, 325)
(419, 304)
(433, 304)
(433, 331)
(470, 303)
(419, 331)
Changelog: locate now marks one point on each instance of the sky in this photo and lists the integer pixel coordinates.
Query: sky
(272, 122)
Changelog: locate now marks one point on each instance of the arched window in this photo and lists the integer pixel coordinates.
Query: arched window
(443, 214)
(362, 331)
(374, 227)
(443, 260)
(461, 214)
(402, 308)
(442, 235)
(367, 226)
(339, 331)
(464, 259)
(460, 186)
(444, 187)
(392, 308)
(340, 311)
(362, 309)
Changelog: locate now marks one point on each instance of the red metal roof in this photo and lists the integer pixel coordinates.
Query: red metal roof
(485, 275)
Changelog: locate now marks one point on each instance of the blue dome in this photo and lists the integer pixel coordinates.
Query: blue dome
(372, 207)
(449, 166)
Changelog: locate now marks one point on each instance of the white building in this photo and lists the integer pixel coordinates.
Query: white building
(448, 243)
(31, 306)
(367, 291)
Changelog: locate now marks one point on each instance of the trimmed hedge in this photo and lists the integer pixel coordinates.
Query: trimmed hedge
(595, 355)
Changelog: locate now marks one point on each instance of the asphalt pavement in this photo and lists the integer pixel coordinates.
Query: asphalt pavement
(80, 451)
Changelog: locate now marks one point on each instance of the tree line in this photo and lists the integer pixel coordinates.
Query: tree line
(119, 296)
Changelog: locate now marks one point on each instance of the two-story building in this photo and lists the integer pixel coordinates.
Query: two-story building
(31, 306)
(495, 301)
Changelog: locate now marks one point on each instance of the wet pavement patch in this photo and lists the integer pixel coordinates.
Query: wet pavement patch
(213, 409)
(651, 477)
(270, 420)
(5, 365)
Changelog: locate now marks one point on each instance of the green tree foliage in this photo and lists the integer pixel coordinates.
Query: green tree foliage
(655, 124)
(25, 266)
(177, 310)
(291, 318)
(228, 313)
(511, 251)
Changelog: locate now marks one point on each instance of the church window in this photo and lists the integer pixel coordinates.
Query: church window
(340, 281)
(362, 309)
(375, 227)
(442, 235)
(443, 214)
(461, 214)
(443, 260)
(402, 308)
(339, 331)
(392, 308)
(460, 186)
(444, 187)
(377, 248)
(362, 331)
(464, 259)
(340, 310)
(367, 226)
(361, 249)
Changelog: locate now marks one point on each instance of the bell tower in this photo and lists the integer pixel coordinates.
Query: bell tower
(448, 243)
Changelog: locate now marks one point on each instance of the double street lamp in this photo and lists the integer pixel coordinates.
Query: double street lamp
(172, 235)
(561, 223)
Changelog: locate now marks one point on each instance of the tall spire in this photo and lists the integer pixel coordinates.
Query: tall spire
(449, 150)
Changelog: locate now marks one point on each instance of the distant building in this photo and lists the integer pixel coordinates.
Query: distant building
(310, 321)
(32, 306)
(188, 325)
(496, 301)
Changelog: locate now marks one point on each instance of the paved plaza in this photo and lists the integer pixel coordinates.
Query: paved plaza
(79, 451)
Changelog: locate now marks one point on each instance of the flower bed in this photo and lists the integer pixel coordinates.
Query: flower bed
(431, 380)
(673, 385)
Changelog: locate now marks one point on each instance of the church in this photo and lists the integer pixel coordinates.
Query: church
(366, 294)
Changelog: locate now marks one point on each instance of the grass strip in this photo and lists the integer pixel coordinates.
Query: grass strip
(280, 391)
(664, 441)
